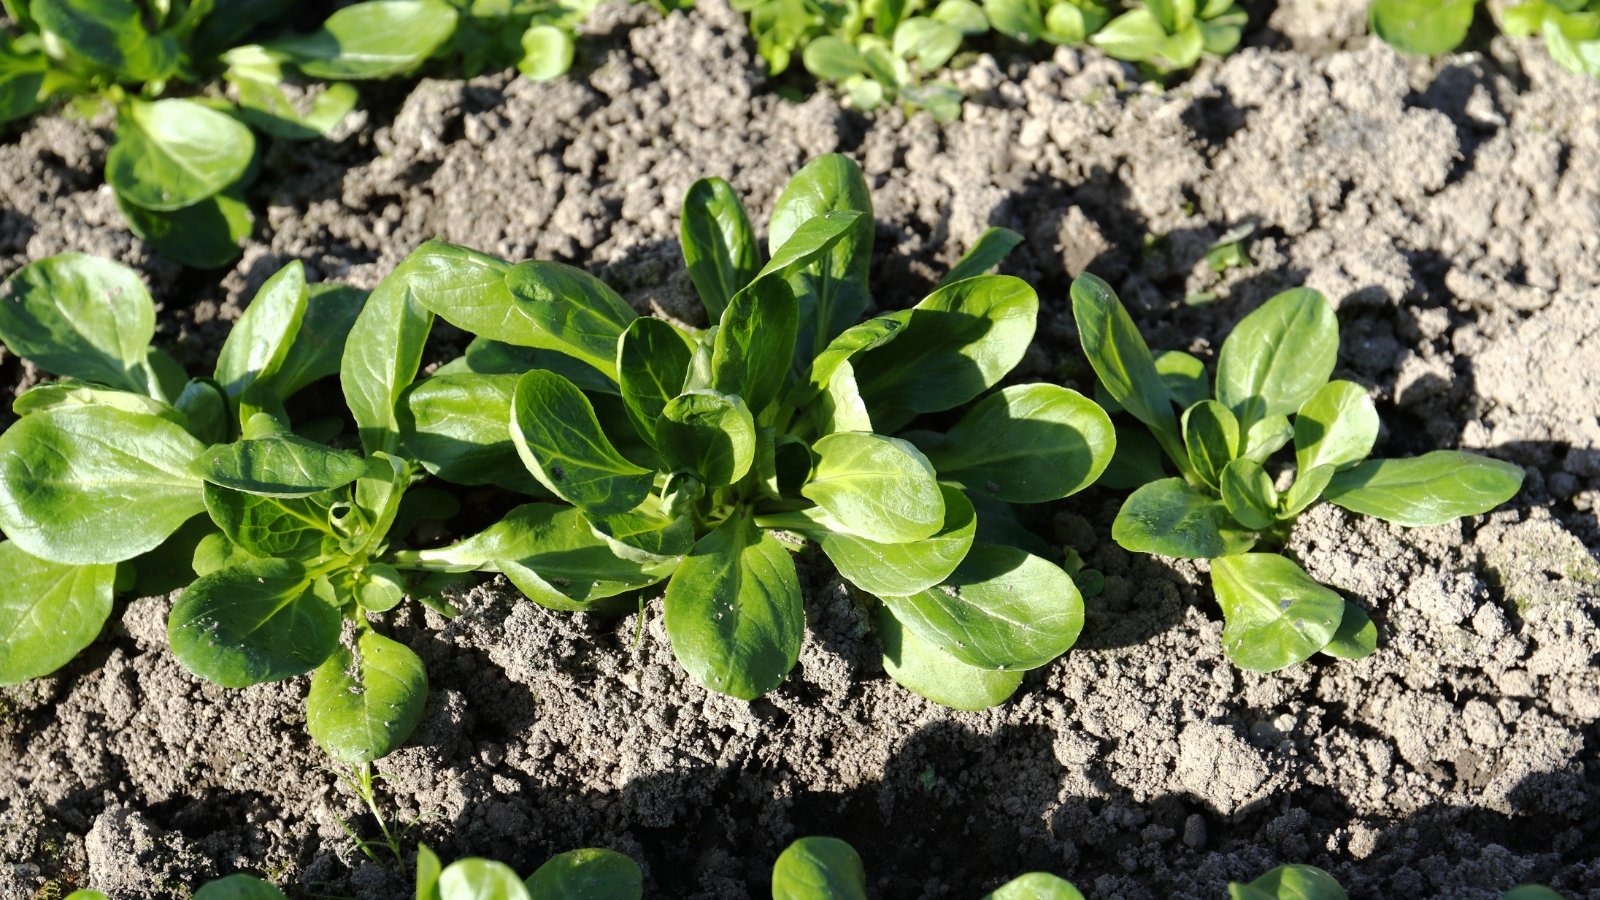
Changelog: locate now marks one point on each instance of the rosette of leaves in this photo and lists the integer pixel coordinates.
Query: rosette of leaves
(179, 161)
(825, 868)
(885, 52)
(533, 36)
(1570, 28)
(1303, 882)
(574, 875)
(703, 457)
(1231, 502)
(1066, 22)
(1171, 35)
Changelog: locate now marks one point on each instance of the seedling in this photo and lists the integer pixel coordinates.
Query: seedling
(574, 875)
(1570, 28)
(882, 56)
(1171, 35)
(1229, 497)
(824, 868)
(1068, 22)
(1302, 882)
(702, 457)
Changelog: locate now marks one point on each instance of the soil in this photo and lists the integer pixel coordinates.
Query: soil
(1450, 209)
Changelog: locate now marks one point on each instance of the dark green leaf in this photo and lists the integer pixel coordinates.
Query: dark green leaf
(252, 623)
(278, 465)
(1121, 360)
(709, 434)
(458, 428)
(1337, 426)
(876, 487)
(205, 234)
(901, 569)
(175, 153)
(1027, 444)
(923, 668)
(274, 527)
(374, 39)
(856, 339)
(833, 294)
(363, 705)
(260, 340)
(819, 868)
(652, 364)
(992, 247)
(1431, 489)
(382, 354)
(1184, 375)
(1211, 436)
(719, 245)
(1278, 356)
(109, 34)
(588, 874)
(1249, 495)
(205, 411)
(22, 76)
(560, 441)
(1357, 637)
(330, 313)
(263, 104)
(1137, 461)
(486, 357)
(1275, 615)
(48, 612)
(754, 343)
(1265, 437)
(1171, 518)
(82, 317)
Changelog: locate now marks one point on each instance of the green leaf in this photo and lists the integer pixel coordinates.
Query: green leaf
(856, 339)
(927, 43)
(254, 622)
(1137, 460)
(1211, 436)
(956, 344)
(1249, 495)
(560, 441)
(879, 488)
(238, 887)
(1171, 518)
(819, 868)
(1185, 377)
(480, 879)
(382, 354)
(652, 365)
(832, 58)
(709, 434)
(458, 427)
(260, 340)
(81, 317)
(1265, 437)
(363, 705)
(1423, 27)
(315, 352)
(48, 612)
(734, 613)
(203, 235)
(92, 484)
(175, 153)
(1275, 615)
(1357, 637)
(1020, 20)
(1136, 35)
(900, 569)
(832, 294)
(278, 465)
(840, 408)
(719, 246)
(22, 77)
(378, 495)
(1296, 882)
(486, 357)
(963, 14)
(928, 671)
(1035, 886)
(109, 34)
(375, 39)
(586, 874)
(1337, 426)
(1431, 489)
(992, 247)
(69, 392)
(1027, 443)
(1530, 892)
(1278, 356)
(754, 343)
(274, 527)
(263, 104)
(546, 53)
(1121, 360)
(1307, 487)
(205, 411)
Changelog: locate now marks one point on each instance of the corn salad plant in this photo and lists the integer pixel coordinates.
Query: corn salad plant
(1570, 28)
(1272, 391)
(825, 868)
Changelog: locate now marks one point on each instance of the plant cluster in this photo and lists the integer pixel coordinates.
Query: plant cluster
(1570, 28)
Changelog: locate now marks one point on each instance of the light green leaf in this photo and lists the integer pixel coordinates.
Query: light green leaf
(1136, 35)
(1265, 437)
(926, 42)
(382, 354)
(963, 14)
(832, 294)
(1249, 495)
(840, 408)
(175, 153)
(1171, 518)
(260, 340)
(1275, 615)
(992, 247)
(560, 441)
(1431, 489)
(546, 53)
(278, 465)
(1020, 20)
(94, 484)
(1027, 443)
(374, 39)
(363, 705)
(48, 612)
(901, 569)
(1337, 426)
(81, 317)
(733, 611)
(1184, 375)
(480, 879)
(1296, 882)
(1307, 487)
(928, 671)
(1211, 436)
(857, 338)
(238, 887)
(203, 235)
(254, 622)
(709, 434)
(110, 35)
(719, 246)
(263, 103)
(1357, 637)
(1423, 27)
(819, 868)
(588, 874)
(1035, 886)
(458, 427)
(1121, 360)
(754, 343)
(1278, 356)
(69, 392)
(876, 487)
(832, 58)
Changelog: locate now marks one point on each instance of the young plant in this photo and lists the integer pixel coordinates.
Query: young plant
(1570, 28)
(1068, 22)
(1170, 35)
(703, 457)
(574, 875)
(824, 868)
(1302, 882)
(1230, 498)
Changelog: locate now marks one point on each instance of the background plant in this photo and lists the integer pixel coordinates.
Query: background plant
(1570, 28)
(1226, 499)
(825, 868)
(703, 457)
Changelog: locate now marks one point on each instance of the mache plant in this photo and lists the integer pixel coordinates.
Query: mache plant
(825, 868)
(1570, 28)
(1168, 36)
(1302, 882)
(1230, 502)
(703, 457)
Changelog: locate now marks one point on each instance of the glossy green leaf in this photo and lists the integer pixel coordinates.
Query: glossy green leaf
(886, 569)
(754, 343)
(1211, 437)
(264, 104)
(205, 234)
(589, 874)
(879, 488)
(1275, 615)
(1027, 444)
(1265, 437)
(1431, 489)
(709, 434)
(255, 622)
(733, 611)
(1296, 882)
(832, 294)
(373, 39)
(928, 671)
(260, 340)
(69, 392)
(238, 887)
(486, 357)
(1020, 20)
(378, 493)
(1278, 356)
(382, 354)
(278, 465)
(994, 245)
(48, 612)
(840, 408)
(1337, 426)
(856, 339)
(81, 317)
(1423, 27)
(94, 484)
(546, 53)
(956, 344)
(560, 441)
(175, 153)
(819, 868)
(1357, 637)
(110, 35)
(1171, 518)
(1249, 495)
(1002, 608)
(458, 427)
(274, 527)
(719, 246)
(1035, 886)
(480, 879)
(652, 364)
(1184, 375)
(1307, 487)
(364, 704)
(1122, 361)
(204, 406)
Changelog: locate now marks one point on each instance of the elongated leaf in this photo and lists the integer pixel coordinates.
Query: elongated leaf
(175, 153)
(92, 484)
(994, 245)
(585, 874)
(1295, 882)
(957, 343)
(1337, 426)
(652, 364)
(81, 317)
(458, 427)
(1171, 518)
(928, 671)
(858, 338)
(1121, 360)
(1036, 886)
(1307, 487)
(264, 104)
(205, 234)
(69, 392)
(486, 357)
(754, 343)
(905, 568)
(1211, 437)
(709, 434)
(363, 705)
(1249, 495)
(1431, 489)
(382, 354)
(840, 408)
(733, 611)
(1275, 615)
(260, 340)
(374, 39)
(560, 441)
(1002, 608)
(719, 246)
(833, 294)
(1357, 637)
(819, 868)
(251, 623)
(879, 488)
(1278, 356)
(48, 612)
(275, 527)
(278, 465)
(1027, 444)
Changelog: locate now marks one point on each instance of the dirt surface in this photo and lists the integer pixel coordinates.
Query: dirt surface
(1450, 210)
